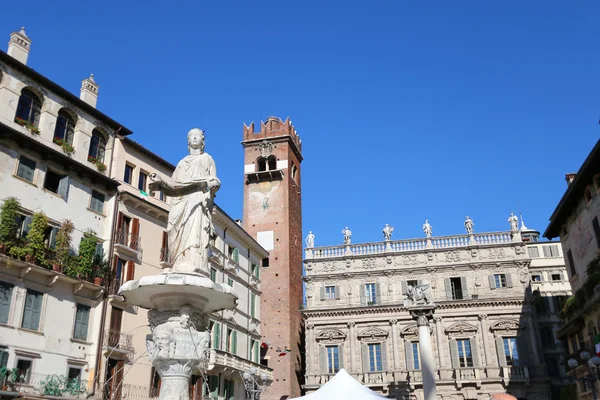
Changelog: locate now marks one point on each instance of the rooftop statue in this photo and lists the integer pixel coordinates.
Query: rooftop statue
(310, 240)
(420, 294)
(427, 228)
(387, 232)
(347, 235)
(469, 225)
(192, 189)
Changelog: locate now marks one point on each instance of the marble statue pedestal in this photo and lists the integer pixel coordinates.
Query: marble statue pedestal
(423, 313)
(179, 305)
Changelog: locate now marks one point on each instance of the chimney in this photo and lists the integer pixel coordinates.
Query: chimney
(89, 91)
(18, 46)
(570, 178)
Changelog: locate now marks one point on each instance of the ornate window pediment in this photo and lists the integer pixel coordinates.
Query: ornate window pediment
(505, 326)
(410, 331)
(331, 336)
(461, 329)
(372, 333)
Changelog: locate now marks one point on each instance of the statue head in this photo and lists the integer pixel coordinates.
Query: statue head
(196, 139)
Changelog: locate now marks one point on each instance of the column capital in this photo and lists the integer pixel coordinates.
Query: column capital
(422, 320)
(351, 324)
(438, 319)
(310, 326)
(482, 317)
(393, 321)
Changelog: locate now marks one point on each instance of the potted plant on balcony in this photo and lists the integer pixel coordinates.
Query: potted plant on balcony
(66, 147)
(63, 246)
(8, 223)
(100, 270)
(87, 252)
(36, 246)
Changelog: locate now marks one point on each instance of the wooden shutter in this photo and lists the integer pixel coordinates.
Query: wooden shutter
(454, 354)
(341, 356)
(130, 271)
(5, 300)
(323, 359)
(448, 287)
(337, 292)
(63, 188)
(509, 280)
(236, 255)
(116, 316)
(118, 384)
(33, 309)
(475, 351)
(3, 358)
(322, 293)
(363, 294)
(492, 282)
(500, 352)
(252, 304)
(384, 356)
(464, 283)
(119, 221)
(234, 342)
(410, 360)
(377, 293)
(217, 330)
(165, 240)
(82, 316)
(404, 288)
(135, 233)
(365, 358)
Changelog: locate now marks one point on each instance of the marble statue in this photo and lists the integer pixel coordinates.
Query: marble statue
(192, 188)
(387, 232)
(469, 225)
(513, 220)
(420, 295)
(427, 228)
(310, 240)
(347, 235)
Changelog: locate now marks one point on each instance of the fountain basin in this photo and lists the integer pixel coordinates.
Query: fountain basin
(172, 291)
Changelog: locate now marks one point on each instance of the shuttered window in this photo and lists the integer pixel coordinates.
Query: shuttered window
(26, 169)
(333, 361)
(216, 335)
(32, 310)
(213, 383)
(6, 290)
(510, 351)
(3, 357)
(371, 293)
(252, 305)
(97, 202)
(228, 389)
(82, 317)
(231, 341)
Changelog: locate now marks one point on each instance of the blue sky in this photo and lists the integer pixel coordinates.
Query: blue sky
(407, 110)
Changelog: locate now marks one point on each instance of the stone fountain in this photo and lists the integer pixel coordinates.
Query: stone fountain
(181, 298)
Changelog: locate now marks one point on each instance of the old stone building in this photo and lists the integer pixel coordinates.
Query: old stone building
(272, 215)
(576, 221)
(490, 290)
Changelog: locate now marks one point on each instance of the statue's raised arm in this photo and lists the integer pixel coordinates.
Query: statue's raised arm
(192, 189)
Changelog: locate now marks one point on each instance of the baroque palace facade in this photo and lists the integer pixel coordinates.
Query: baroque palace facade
(497, 295)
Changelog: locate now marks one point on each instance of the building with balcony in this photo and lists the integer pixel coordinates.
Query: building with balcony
(485, 330)
(141, 249)
(54, 151)
(576, 221)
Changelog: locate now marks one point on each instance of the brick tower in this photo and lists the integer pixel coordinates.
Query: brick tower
(273, 215)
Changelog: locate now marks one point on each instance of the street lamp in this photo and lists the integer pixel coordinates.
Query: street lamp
(590, 378)
(253, 387)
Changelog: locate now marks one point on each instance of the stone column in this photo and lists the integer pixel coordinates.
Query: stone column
(175, 348)
(352, 346)
(310, 348)
(439, 332)
(422, 314)
(395, 344)
(486, 344)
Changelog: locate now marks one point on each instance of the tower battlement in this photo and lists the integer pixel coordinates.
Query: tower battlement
(273, 127)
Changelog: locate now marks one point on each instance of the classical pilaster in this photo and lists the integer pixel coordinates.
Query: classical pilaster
(310, 348)
(353, 349)
(489, 358)
(439, 333)
(395, 345)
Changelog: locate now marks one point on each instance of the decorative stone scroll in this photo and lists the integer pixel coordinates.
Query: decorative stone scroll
(331, 336)
(505, 327)
(373, 333)
(461, 329)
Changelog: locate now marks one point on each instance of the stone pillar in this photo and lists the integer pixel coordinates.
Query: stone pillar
(352, 346)
(395, 344)
(310, 349)
(439, 332)
(486, 344)
(175, 348)
(422, 313)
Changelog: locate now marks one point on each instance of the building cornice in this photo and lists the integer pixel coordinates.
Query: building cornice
(275, 139)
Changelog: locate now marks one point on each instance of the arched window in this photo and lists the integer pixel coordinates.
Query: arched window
(272, 163)
(97, 146)
(65, 127)
(261, 164)
(28, 109)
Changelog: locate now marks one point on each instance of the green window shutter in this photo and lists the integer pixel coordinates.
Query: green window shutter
(231, 390)
(3, 358)
(5, 300)
(63, 188)
(82, 316)
(236, 255)
(256, 350)
(32, 310)
(217, 336)
(214, 387)
(253, 305)
(233, 342)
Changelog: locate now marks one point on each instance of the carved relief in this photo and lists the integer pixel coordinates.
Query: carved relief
(330, 266)
(373, 333)
(410, 332)
(368, 263)
(492, 254)
(505, 327)
(331, 336)
(460, 329)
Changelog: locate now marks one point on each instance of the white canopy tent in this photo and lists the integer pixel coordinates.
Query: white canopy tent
(342, 387)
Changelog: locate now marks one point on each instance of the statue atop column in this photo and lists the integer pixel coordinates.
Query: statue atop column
(310, 240)
(469, 225)
(387, 232)
(420, 295)
(513, 220)
(427, 228)
(347, 235)
(192, 189)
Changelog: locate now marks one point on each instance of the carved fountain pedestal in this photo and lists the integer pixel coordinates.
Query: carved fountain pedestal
(423, 313)
(179, 305)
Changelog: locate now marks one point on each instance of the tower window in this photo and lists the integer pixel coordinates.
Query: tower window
(266, 164)
(262, 164)
(272, 163)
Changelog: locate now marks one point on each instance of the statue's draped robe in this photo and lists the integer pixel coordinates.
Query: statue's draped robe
(190, 219)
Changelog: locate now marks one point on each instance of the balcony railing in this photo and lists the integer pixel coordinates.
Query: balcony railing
(116, 391)
(164, 255)
(442, 242)
(118, 341)
(49, 385)
(228, 361)
(125, 238)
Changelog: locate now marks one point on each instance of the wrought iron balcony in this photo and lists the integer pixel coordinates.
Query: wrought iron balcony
(116, 342)
(127, 245)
